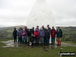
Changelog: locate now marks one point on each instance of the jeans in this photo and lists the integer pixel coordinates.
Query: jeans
(15, 39)
(53, 41)
(19, 39)
(46, 41)
(37, 41)
(24, 39)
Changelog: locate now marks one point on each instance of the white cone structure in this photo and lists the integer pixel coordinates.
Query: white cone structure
(40, 14)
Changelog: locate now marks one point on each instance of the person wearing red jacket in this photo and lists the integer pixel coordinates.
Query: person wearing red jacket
(53, 35)
(36, 34)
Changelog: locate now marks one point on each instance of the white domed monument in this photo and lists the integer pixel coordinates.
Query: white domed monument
(41, 14)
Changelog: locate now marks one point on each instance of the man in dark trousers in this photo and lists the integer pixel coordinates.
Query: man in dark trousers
(47, 36)
(15, 35)
(53, 35)
(59, 36)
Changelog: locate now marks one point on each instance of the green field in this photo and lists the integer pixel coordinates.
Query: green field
(33, 52)
(36, 51)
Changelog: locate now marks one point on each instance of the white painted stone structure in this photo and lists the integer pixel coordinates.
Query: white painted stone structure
(40, 14)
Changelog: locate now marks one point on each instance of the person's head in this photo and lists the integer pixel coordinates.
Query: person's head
(43, 26)
(37, 27)
(58, 27)
(53, 27)
(20, 28)
(47, 25)
(25, 27)
(15, 28)
(33, 28)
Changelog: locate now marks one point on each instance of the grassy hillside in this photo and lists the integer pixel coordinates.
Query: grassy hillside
(6, 32)
(69, 33)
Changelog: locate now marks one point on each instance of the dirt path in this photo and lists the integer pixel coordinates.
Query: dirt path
(67, 44)
(9, 43)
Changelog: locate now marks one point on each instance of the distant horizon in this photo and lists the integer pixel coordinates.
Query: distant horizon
(44, 26)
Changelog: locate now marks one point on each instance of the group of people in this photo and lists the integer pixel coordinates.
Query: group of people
(37, 36)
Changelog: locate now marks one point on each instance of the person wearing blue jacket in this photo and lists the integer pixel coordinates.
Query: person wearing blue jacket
(19, 35)
(59, 35)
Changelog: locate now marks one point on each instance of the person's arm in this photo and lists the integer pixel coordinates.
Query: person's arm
(61, 33)
(38, 33)
(55, 32)
(34, 34)
(17, 33)
(13, 33)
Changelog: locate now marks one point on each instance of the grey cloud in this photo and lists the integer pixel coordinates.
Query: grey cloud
(17, 11)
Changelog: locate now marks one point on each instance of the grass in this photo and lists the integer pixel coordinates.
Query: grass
(33, 52)
(1, 44)
(6, 39)
(26, 51)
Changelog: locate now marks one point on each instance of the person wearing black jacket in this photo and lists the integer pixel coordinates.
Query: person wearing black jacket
(59, 35)
(47, 36)
(15, 35)
(32, 38)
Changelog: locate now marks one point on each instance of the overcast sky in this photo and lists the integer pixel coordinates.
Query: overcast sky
(16, 12)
